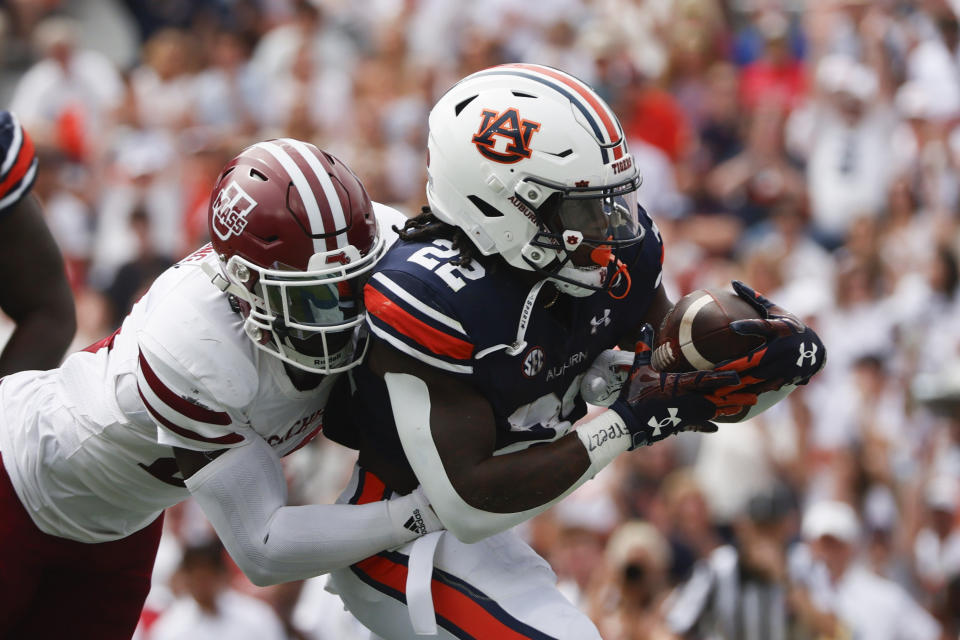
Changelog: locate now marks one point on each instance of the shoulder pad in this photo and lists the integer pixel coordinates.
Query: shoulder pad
(216, 356)
(409, 315)
(387, 219)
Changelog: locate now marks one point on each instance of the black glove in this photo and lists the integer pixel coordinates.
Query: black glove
(654, 405)
(791, 353)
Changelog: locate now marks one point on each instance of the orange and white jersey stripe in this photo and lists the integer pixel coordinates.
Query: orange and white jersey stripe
(18, 166)
(412, 319)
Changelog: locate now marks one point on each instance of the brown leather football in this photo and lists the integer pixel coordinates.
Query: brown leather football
(695, 334)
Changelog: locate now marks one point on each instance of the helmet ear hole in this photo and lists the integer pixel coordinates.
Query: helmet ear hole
(485, 207)
(463, 105)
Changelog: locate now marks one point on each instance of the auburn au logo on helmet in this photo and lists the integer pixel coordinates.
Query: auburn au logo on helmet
(507, 125)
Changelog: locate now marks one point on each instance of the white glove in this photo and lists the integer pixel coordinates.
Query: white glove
(602, 381)
(413, 513)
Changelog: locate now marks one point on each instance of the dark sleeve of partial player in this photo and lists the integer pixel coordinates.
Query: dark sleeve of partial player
(34, 290)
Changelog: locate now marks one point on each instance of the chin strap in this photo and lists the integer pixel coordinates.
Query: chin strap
(614, 281)
(220, 281)
(317, 364)
(519, 344)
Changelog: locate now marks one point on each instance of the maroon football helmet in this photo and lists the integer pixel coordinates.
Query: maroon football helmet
(293, 228)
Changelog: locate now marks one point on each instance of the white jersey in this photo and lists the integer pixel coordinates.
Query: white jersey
(88, 446)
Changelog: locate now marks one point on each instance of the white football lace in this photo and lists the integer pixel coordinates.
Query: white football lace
(663, 357)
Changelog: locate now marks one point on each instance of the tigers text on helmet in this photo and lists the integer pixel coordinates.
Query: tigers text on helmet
(533, 165)
(294, 228)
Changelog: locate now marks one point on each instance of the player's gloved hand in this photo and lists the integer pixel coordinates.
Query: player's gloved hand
(602, 382)
(654, 405)
(791, 353)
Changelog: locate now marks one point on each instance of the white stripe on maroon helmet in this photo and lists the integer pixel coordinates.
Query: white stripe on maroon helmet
(300, 182)
(329, 191)
(15, 145)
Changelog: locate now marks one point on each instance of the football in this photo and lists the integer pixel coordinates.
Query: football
(695, 334)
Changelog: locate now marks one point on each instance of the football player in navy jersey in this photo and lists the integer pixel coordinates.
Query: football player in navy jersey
(35, 292)
(493, 321)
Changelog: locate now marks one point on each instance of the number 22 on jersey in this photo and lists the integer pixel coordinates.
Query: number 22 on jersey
(452, 274)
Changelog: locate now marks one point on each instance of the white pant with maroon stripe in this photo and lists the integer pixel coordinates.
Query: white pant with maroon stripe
(496, 589)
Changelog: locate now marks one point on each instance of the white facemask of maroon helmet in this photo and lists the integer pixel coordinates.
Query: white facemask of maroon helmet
(294, 230)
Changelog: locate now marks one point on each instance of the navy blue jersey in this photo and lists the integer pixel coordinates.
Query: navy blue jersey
(18, 162)
(455, 318)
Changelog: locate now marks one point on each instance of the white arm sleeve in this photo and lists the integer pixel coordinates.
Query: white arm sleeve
(243, 493)
(410, 399)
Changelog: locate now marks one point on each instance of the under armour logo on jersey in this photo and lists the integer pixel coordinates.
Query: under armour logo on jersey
(230, 211)
(415, 523)
(805, 353)
(669, 422)
(597, 322)
(510, 127)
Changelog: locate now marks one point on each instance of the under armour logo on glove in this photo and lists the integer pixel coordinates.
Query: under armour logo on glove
(791, 353)
(670, 421)
(804, 354)
(655, 405)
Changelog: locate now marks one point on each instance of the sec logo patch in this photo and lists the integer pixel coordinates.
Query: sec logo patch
(533, 362)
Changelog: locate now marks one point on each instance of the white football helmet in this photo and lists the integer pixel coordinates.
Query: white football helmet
(532, 164)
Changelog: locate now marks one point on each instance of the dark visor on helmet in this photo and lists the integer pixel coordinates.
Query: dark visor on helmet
(605, 215)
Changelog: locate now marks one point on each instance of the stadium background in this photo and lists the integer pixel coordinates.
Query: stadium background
(809, 148)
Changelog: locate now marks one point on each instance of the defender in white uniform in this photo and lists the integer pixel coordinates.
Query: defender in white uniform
(224, 366)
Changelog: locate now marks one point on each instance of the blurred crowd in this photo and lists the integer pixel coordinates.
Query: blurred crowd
(809, 148)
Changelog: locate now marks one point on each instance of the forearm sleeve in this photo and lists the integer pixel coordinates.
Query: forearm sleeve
(243, 494)
(410, 399)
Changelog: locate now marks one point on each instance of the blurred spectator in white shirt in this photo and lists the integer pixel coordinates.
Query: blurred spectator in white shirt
(320, 615)
(932, 64)
(936, 549)
(308, 101)
(628, 592)
(66, 99)
(862, 603)
(844, 135)
(62, 188)
(557, 49)
(210, 610)
(162, 85)
(229, 93)
(145, 172)
(310, 26)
